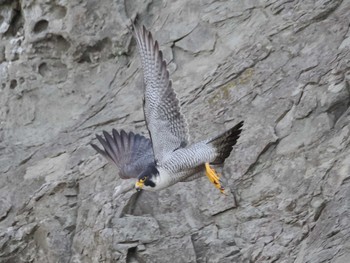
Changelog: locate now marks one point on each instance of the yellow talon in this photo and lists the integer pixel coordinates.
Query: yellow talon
(214, 178)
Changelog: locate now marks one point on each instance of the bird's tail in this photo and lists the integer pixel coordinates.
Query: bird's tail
(128, 151)
(225, 142)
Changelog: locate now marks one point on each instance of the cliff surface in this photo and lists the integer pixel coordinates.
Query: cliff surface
(70, 69)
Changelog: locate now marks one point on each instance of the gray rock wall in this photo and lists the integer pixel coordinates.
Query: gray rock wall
(70, 69)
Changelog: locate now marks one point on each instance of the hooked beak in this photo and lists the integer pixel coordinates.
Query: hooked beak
(139, 185)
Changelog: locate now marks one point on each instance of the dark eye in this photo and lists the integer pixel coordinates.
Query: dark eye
(143, 178)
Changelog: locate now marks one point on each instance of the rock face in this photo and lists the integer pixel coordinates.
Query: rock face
(70, 69)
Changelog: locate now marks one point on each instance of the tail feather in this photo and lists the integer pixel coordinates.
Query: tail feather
(119, 140)
(116, 137)
(132, 153)
(111, 148)
(225, 142)
(108, 150)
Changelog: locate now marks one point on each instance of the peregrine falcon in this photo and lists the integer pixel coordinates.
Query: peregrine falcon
(167, 157)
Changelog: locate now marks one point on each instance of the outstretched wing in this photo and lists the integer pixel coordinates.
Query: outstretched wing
(166, 124)
(130, 152)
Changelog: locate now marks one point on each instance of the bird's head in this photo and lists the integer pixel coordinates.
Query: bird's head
(146, 179)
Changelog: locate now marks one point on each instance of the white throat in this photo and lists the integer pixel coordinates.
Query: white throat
(163, 180)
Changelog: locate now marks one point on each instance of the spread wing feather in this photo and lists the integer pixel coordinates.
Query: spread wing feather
(165, 122)
(130, 152)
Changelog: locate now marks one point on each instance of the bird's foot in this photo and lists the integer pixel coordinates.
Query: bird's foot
(214, 178)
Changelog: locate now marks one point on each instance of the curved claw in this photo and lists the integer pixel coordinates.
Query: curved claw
(214, 178)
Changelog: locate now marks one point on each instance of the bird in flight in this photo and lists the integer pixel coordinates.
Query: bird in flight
(167, 157)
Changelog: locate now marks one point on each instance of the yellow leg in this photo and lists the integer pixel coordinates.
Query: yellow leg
(214, 178)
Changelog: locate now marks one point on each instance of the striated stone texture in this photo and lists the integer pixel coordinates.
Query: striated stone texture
(70, 69)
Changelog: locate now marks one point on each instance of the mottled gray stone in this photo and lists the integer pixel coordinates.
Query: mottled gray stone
(69, 70)
(162, 251)
(6, 14)
(130, 228)
(5, 207)
(200, 39)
